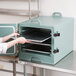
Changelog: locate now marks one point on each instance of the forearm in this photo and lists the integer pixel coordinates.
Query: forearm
(20, 40)
(11, 43)
(6, 38)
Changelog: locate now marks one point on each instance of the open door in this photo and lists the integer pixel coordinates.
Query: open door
(6, 29)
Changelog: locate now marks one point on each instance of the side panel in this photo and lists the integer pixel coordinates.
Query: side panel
(65, 41)
(6, 29)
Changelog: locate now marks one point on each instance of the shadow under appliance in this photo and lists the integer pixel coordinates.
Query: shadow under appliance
(51, 38)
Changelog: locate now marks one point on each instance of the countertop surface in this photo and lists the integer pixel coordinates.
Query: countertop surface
(67, 64)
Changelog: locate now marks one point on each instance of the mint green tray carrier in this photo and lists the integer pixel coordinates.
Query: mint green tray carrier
(64, 43)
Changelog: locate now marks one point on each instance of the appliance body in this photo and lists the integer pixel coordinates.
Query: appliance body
(51, 39)
(6, 29)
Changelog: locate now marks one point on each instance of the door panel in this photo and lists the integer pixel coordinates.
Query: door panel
(4, 31)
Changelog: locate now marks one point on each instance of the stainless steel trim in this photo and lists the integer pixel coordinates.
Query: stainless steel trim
(43, 72)
(14, 68)
(25, 74)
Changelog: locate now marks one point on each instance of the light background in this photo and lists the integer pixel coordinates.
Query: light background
(47, 7)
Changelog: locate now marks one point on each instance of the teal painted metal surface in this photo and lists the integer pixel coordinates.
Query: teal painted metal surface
(64, 43)
(6, 29)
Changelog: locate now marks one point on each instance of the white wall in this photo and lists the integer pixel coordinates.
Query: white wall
(66, 7)
(47, 7)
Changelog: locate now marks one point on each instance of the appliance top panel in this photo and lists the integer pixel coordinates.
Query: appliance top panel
(50, 20)
(46, 21)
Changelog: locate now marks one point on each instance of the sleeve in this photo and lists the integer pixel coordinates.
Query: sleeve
(3, 48)
(0, 40)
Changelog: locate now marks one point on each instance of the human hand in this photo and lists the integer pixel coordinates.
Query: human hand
(9, 36)
(22, 40)
(14, 34)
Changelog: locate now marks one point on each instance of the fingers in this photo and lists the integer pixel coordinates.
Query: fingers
(22, 40)
(14, 34)
(27, 41)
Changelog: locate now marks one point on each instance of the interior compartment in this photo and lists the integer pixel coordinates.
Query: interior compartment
(36, 48)
(36, 34)
(40, 40)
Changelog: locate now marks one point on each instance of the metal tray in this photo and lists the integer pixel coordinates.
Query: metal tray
(36, 48)
(37, 39)
(39, 43)
(38, 51)
(37, 35)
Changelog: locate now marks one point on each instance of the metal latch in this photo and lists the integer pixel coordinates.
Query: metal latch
(56, 34)
(56, 51)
